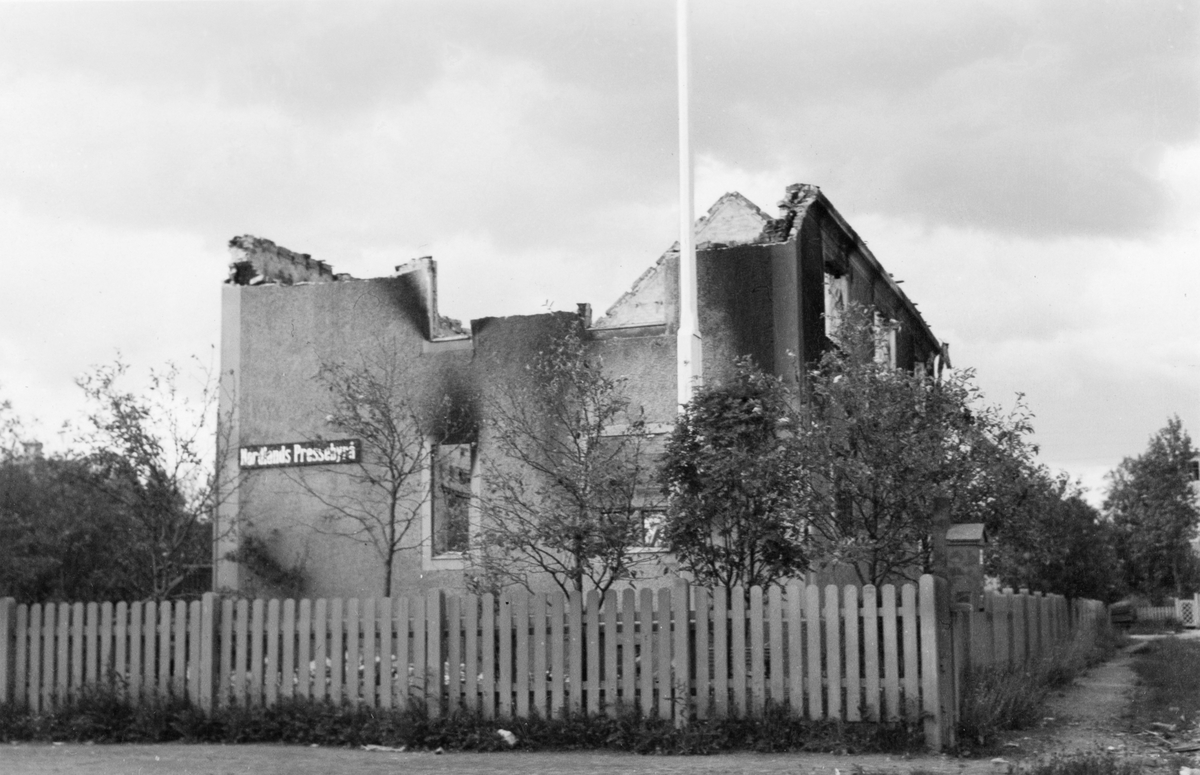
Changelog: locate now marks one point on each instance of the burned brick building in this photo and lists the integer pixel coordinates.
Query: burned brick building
(767, 288)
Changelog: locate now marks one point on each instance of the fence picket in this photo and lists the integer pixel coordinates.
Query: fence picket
(135, 650)
(304, 630)
(471, 653)
(258, 626)
(591, 634)
(703, 699)
(271, 654)
(488, 655)
(870, 640)
(387, 652)
(434, 666)
(912, 686)
(737, 650)
(454, 657)
(1002, 628)
(120, 645)
(164, 650)
(21, 671)
(812, 626)
(62, 633)
(521, 653)
(287, 639)
(610, 641)
(1019, 641)
(537, 614)
(9, 635)
(76, 637)
(150, 650)
(557, 655)
(891, 656)
(44, 679)
(681, 641)
(663, 652)
(720, 620)
(628, 648)
(850, 615)
(758, 661)
(775, 659)
(504, 631)
(833, 653)
(92, 649)
(193, 652)
(795, 648)
(646, 650)
(404, 673)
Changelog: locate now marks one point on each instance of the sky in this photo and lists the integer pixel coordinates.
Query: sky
(1030, 170)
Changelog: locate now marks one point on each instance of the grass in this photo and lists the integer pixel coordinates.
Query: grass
(1168, 691)
(1154, 627)
(1086, 764)
(105, 716)
(1001, 699)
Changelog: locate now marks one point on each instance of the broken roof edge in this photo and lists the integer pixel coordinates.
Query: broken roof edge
(813, 194)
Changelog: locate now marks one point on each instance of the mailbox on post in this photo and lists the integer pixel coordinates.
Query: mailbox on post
(964, 563)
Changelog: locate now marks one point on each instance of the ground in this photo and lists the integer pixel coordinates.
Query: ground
(1085, 717)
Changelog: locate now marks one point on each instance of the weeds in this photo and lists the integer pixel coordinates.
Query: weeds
(105, 716)
(996, 699)
(1085, 764)
(1168, 694)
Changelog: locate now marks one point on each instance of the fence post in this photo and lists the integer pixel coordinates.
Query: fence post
(208, 652)
(8, 642)
(937, 663)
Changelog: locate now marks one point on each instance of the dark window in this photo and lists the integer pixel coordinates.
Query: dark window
(452, 474)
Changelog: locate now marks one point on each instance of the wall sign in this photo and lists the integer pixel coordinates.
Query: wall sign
(300, 453)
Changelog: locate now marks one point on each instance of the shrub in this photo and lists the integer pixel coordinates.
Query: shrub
(106, 716)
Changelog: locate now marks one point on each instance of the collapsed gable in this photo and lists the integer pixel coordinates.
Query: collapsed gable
(732, 220)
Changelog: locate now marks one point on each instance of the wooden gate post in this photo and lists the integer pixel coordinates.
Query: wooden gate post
(937, 664)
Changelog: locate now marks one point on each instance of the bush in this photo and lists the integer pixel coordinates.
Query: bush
(104, 715)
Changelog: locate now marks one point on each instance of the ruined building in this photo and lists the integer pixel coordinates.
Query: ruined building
(767, 289)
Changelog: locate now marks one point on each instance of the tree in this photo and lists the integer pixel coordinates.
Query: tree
(566, 495)
(146, 455)
(372, 399)
(879, 446)
(57, 540)
(1056, 542)
(733, 484)
(1154, 509)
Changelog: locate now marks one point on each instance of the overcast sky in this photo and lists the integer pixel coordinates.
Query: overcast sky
(1031, 170)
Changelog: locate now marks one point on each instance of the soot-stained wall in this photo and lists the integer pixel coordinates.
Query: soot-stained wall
(763, 298)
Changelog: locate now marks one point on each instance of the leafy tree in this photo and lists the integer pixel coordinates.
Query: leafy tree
(57, 540)
(146, 455)
(565, 496)
(1154, 509)
(371, 399)
(1056, 542)
(879, 445)
(733, 482)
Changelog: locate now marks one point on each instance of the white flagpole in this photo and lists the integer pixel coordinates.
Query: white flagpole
(690, 365)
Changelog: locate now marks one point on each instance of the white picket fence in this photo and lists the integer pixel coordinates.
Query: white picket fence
(831, 653)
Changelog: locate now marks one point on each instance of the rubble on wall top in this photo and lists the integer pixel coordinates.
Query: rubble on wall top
(258, 261)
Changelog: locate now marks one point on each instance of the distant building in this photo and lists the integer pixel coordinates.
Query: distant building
(768, 288)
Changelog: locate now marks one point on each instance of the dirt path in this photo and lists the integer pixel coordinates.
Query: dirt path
(1086, 717)
(1091, 715)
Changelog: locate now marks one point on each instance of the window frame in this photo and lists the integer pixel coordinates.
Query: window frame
(448, 560)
